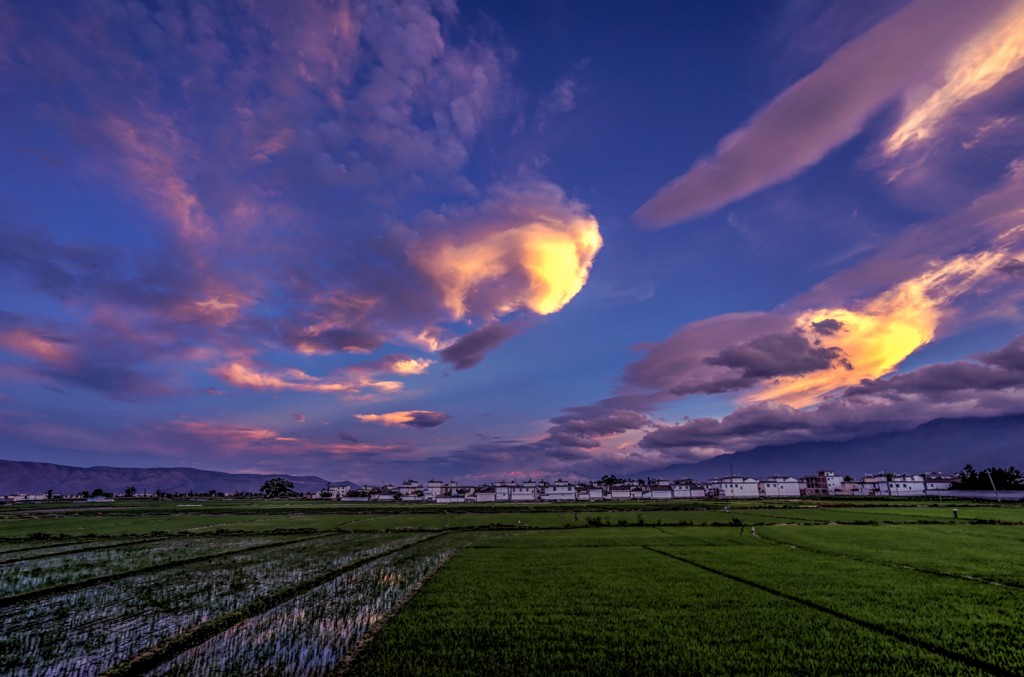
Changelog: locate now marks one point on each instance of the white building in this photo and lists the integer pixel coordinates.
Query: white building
(435, 489)
(733, 487)
(658, 493)
(778, 486)
(522, 494)
(485, 494)
(825, 483)
(411, 488)
(620, 492)
(687, 489)
(589, 492)
(559, 491)
(934, 482)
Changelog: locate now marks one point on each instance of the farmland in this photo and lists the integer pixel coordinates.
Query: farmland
(260, 587)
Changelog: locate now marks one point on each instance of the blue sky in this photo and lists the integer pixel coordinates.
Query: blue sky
(482, 240)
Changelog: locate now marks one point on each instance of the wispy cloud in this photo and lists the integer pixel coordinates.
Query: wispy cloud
(825, 108)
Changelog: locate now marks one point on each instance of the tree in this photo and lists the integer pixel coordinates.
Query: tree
(129, 492)
(1003, 479)
(278, 487)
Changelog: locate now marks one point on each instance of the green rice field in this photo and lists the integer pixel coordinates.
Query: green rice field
(320, 588)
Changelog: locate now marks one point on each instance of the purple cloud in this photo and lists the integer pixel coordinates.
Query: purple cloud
(469, 350)
(822, 110)
(412, 419)
(991, 385)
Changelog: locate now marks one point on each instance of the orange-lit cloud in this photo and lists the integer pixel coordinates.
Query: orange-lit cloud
(528, 248)
(245, 375)
(876, 336)
(410, 365)
(975, 69)
(412, 419)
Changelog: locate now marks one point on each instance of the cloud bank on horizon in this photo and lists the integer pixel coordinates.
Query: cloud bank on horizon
(238, 234)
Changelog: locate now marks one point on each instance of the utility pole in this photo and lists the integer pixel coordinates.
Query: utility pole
(993, 483)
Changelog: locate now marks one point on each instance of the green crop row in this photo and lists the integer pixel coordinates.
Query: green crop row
(988, 553)
(978, 621)
(549, 603)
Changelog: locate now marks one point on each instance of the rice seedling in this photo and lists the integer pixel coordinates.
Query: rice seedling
(90, 629)
(309, 634)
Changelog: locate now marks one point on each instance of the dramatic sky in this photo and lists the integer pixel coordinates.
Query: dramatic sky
(373, 240)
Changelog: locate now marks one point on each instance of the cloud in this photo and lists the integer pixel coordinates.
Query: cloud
(774, 355)
(468, 350)
(990, 385)
(977, 67)
(25, 342)
(301, 418)
(870, 317)
(243, 375)
(412, 419)
(584, 426)
(824, 109)
(827, 327)
(327, 341)
(527, 246)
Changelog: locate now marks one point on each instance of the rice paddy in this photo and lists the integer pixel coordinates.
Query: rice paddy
(265, 588)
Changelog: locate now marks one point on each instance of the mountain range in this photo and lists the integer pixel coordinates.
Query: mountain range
(942, 445)
(28, 477)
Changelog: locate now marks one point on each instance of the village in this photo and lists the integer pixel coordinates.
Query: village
(610, 488)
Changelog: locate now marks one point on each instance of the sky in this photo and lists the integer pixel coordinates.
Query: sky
(379, 240)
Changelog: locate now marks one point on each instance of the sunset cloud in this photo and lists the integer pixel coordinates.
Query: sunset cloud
(527, 246)
(411, 419)
(977, 67)
(825, 108)
(244, 375)
(990, 385)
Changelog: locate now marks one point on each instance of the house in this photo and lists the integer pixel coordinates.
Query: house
(887, 484)
(589, 492)
(779, 487)
(656, 492)
(906, 485)
(411, 487)
(559, 491)
(935, 482)
(733, 487)
(620, 492)
(825, 483)
(685, 488)
(485, 494)
(522, 494)
(435, 488)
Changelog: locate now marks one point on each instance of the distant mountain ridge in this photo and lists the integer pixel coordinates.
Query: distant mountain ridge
(27, 477)
(942, 445)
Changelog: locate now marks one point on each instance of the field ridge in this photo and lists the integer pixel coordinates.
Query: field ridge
(969, 661)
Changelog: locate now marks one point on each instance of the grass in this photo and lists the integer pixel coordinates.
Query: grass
(604, 604)
(260, 587)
